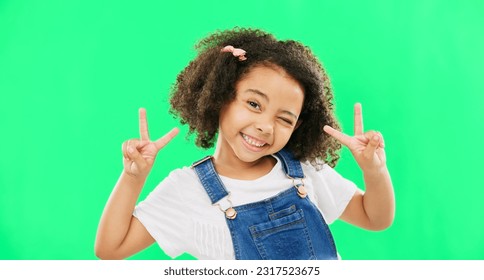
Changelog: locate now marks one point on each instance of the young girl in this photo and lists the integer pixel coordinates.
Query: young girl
(269, 190)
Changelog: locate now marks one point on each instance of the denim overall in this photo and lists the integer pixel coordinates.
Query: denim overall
(283, 227)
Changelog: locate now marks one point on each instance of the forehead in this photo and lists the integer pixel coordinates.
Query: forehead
(266, 69)
(271, 80)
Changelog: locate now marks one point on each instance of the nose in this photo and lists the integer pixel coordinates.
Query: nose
(265, 126)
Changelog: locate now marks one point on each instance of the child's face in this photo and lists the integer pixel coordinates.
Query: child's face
(263, 115)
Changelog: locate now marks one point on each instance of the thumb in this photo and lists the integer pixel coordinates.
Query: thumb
(135, 156)
(372, 145)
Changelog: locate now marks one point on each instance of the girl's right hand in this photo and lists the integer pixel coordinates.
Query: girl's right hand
(139, 154)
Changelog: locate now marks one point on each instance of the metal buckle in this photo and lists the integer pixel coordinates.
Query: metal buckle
(301, 189)
(230, 212)
(200, 161)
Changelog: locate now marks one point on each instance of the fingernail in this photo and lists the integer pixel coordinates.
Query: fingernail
(376, 138)
(130, 150)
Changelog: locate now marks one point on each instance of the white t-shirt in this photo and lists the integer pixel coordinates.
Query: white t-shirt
(181, 218)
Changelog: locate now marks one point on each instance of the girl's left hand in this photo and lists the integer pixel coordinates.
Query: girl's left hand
(367, 148)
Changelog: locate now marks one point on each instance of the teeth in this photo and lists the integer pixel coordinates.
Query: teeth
(252, 142)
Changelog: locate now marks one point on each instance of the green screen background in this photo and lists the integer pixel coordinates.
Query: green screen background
(74, 73)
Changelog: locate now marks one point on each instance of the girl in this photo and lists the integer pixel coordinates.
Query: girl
(269, 190)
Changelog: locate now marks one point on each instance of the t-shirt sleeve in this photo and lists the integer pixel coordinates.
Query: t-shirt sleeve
(162, 215)
(332, 192)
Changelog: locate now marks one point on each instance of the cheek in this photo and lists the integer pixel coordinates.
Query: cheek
(232, 118)
(284, 134)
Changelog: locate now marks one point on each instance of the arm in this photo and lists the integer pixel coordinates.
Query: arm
(119, 234)
(375, 208)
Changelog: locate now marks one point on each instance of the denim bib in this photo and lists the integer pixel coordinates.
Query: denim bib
(287, 226)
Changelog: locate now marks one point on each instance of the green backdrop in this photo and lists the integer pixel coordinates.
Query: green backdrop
(74, 73)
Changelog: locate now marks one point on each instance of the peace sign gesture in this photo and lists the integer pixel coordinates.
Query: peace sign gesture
(367, 148)
(139, 154)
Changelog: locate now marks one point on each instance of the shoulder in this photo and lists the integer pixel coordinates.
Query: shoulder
(180, 189)
(177, 184)
(320, 170)
(324, 176)
(182, 175)
(331, 191)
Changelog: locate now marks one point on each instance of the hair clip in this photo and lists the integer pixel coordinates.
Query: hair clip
(240, 53)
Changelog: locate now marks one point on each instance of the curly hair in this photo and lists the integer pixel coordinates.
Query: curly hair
(208, 83)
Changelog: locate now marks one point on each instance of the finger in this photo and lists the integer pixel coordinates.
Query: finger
(365, 139)
(341, 137)
(382, 140)
(358, 119)
(165, 139)
(134, 154)
(143, 125)
(372, 145)
(124, 150)
(131, 142)
(381, 143)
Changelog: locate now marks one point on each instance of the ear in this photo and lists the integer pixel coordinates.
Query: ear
(298, 123)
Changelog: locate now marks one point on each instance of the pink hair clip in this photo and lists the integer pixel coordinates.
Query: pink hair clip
(240, 53)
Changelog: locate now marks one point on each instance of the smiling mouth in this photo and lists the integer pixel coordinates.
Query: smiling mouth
(253, 142)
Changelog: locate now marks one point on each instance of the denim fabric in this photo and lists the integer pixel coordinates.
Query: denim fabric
(283, 227)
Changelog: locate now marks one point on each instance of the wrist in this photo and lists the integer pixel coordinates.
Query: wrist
(376, 172)
(132, 179)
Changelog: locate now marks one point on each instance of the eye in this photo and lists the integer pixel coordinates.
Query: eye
(254, 105)
(289, 122)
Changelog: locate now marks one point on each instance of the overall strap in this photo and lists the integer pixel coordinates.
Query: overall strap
(292, 166)
(209, 179)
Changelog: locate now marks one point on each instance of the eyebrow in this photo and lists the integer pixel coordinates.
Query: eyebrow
(263, 95)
